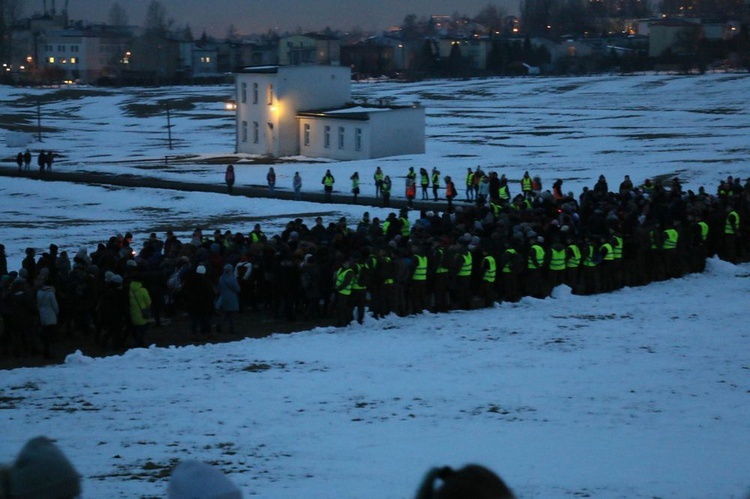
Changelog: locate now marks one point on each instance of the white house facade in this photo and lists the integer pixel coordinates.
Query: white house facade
(293, 110)
(362, 132)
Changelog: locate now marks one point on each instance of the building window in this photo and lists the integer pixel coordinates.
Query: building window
(307, 134)
(327, 136)
(255, 93)
(256, 132)
(341, 137)
(358, 138)
(244, 93)
(269, 97)
(51, 60)
(244, 131)
(74, 48)
(74, 60)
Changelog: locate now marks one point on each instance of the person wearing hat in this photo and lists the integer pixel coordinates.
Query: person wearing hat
(41, 471)
(435, 178)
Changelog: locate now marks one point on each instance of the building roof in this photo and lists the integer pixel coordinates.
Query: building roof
(360, 112)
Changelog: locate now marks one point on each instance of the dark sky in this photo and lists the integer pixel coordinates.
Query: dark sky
(258, 16)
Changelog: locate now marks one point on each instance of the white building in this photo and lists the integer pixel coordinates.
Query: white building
(293, 110)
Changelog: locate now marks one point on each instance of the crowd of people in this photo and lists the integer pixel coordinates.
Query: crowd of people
(43, 471)
(44, 161)
(500, 247)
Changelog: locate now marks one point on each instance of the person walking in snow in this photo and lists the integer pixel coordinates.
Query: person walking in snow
(328, 182)
(271, 179)
(229, 179)
(297, 186)
(355, 186)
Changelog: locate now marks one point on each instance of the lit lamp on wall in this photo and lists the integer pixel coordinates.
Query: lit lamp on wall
(230, 105)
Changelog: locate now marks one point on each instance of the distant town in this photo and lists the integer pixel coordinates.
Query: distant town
(549, 37)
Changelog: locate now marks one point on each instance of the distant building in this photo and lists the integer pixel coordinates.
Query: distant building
(293, 110)
(310, 48)
(675, 35)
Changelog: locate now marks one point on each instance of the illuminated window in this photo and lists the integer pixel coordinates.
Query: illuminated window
(74, 60)
(51, 60)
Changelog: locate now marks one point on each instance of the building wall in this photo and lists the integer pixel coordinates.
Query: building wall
(291, 89)
(397, 132)
(349, 148)
(391, 132)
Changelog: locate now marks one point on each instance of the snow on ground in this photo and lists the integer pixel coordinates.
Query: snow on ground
(640, 393)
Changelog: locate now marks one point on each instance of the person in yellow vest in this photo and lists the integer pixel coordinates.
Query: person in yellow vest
(607, 254)
(439, 272)
(535, 263)
(342, 287)
(469, 185)
(489, 278)
(556, 267)
(418, 284)
(504, 190)
(385, 191)
(589, 280)
(730, 250)
(572, 263)
(526, 185)
(359, 288)
(328, 182)
(435, 177)
(378, 178)
(699, 251)
(671, 254)
(511, 265)
(462, 266)
(617, 243)
(424, 182)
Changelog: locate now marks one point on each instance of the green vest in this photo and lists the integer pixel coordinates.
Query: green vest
(506, 267)
(504, 193)
(440, 268)
(405, 227)
(670, 241)
(557, 259)
(588, 260)
(424, 179)
(526, 184)
(378, 177)
(389, 279)
(465, 270)
(704, 230)
(469, 178)
(328, 181)
(617, 247)
(609, 252)
(340, 278)
(538, 252)
(356, 282)
(420, 272)
(732, 223)
(435, 179)
(489, 274)
(575, 259)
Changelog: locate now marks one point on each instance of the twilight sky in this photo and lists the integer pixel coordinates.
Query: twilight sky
(258, 16)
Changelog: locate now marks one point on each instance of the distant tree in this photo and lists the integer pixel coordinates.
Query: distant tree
(410, 28)
(156, 18)
(232, 34)
(117, 15)
(10, 12)
(491, 17)
(187, 33)
(537, 15)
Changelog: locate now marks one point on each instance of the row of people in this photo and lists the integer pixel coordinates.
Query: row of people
(472, 257)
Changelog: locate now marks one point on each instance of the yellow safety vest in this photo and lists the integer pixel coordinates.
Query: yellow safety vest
(557, 259)
(489, 274)
(610, 252)
(670, 242)
(506, 267)
(340, 278)
(538, 251)
(420, 273)
(704, 230)
(732, 223)
(465, 270)
(574, 261)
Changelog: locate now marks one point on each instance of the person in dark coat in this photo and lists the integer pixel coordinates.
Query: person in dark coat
(26, 159)
(19, 161)
(199, 295)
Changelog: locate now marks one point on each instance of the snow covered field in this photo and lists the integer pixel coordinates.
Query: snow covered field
(640, 393)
